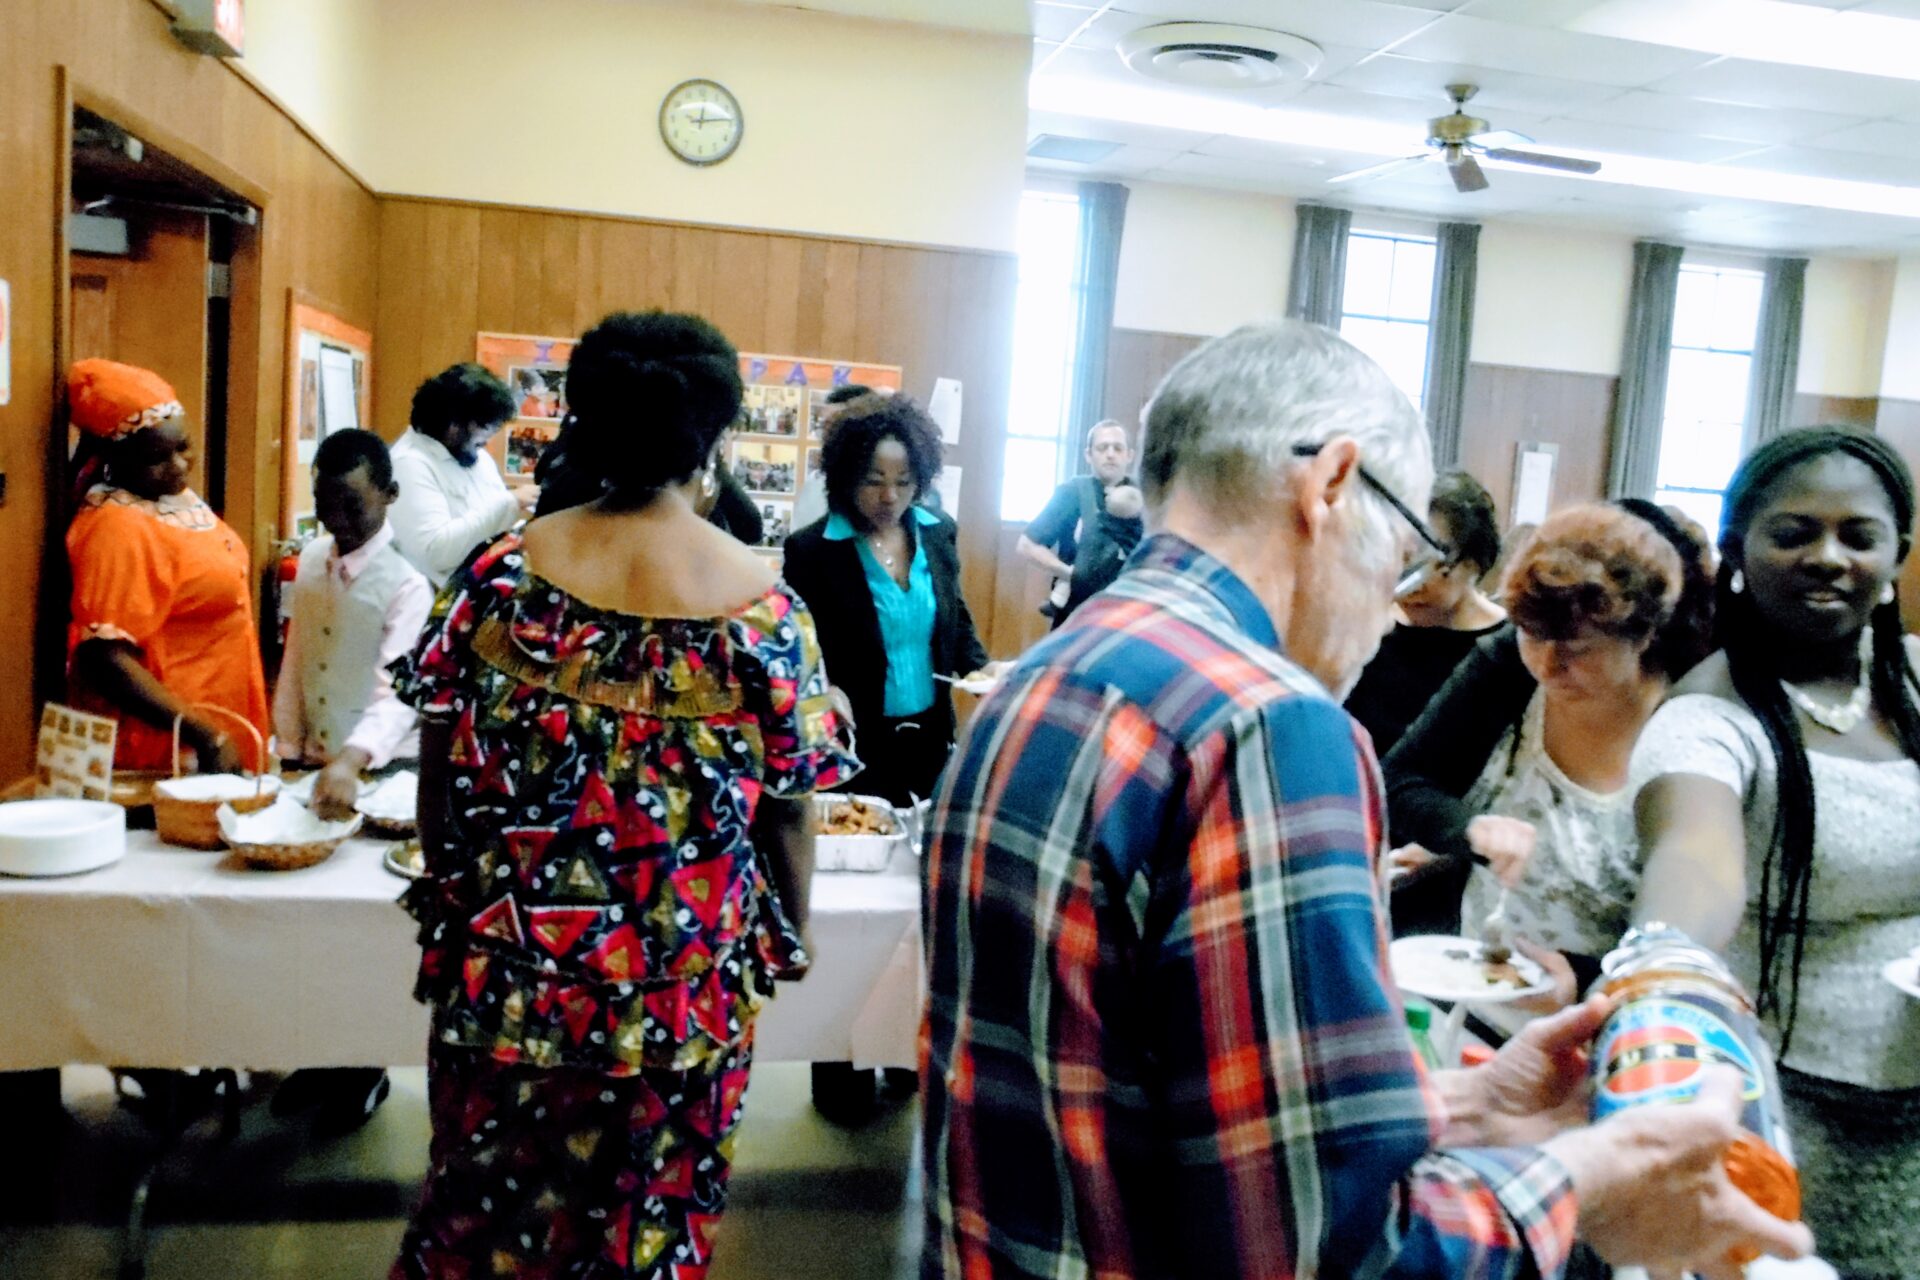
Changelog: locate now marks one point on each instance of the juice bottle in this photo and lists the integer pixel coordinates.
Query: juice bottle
(1420, 1027)
(1680, 1012)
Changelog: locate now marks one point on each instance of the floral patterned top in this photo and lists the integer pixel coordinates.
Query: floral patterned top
(599, 903)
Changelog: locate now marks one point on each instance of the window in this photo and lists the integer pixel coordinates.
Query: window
(1046, 330)
(1715, 316)
(1388, 304)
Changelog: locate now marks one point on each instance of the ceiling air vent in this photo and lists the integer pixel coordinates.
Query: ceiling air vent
(1211, 55)
(1051, 146)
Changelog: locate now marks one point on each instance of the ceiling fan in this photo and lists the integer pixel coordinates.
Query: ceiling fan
(1458, 139)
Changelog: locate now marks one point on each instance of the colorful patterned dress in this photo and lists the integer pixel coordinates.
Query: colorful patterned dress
(599, 933)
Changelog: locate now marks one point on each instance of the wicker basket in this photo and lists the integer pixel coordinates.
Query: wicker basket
(192, 822)
(282, 855)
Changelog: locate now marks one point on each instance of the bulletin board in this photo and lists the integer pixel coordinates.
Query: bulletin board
(777, 446)
(773, 452)
(535, 371)
(329, 388)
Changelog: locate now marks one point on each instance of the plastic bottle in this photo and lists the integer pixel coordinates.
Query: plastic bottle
(1680, 1012)
(1420, 1027)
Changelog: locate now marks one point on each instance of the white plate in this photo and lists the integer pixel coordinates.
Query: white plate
(1444, 968)
(979, 688)
(60, 837)
(394, 861)
(1904, 973)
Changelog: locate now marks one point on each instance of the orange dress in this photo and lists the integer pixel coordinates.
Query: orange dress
(172, 579)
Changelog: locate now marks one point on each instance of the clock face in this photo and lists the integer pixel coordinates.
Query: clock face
(701, 122)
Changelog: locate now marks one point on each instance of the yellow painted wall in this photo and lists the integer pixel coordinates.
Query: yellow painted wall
(854, 127)
(1200, 261)
(1843, 327)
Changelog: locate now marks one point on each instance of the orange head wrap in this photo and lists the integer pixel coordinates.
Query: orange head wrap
(111, 400)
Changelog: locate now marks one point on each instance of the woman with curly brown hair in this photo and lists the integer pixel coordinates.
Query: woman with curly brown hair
(1520, 763)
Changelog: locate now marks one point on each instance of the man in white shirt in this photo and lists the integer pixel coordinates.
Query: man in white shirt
(451, 495)
(358, 605)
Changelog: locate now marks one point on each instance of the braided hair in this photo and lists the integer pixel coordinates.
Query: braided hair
(1786, 877)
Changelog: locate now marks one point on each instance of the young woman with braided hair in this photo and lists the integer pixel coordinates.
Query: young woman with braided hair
(1780, 818)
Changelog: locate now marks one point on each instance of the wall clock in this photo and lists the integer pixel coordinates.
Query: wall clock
(700, 122)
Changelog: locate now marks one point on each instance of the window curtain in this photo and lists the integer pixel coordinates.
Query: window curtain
(1642, 404)
(1450, 336)
(1776, 349)
(1319, 264)
(1103, 213)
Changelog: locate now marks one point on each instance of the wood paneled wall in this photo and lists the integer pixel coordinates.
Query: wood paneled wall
(319, 231)
(449, 270)
(1506, 405)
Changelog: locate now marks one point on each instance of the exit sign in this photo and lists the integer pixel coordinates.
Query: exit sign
(217, 27)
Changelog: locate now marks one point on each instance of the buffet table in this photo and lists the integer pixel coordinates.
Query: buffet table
(171, 958)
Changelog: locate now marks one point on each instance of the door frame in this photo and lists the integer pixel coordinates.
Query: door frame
(242, 355)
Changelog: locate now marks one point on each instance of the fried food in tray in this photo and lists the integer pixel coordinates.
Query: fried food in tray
(856, 818)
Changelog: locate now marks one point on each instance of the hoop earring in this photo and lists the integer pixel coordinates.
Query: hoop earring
(1738, 583)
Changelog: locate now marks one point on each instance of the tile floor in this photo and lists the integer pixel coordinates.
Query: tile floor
(810, 1200)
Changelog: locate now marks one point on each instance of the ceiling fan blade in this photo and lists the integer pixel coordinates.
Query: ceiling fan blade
(1542, 160)
(1500, 138)
(1380, 170)
(1467, 174)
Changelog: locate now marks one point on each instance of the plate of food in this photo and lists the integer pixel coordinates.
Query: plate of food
(391, 805)
(406, 859)
(1452, 969)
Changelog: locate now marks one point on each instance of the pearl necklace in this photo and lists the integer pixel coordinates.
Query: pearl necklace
(1842, 717)
(880, 553)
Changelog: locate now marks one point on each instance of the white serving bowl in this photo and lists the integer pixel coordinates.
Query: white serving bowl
(60, 837)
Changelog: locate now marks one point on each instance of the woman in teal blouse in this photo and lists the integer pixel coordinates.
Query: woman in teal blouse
(881, 574)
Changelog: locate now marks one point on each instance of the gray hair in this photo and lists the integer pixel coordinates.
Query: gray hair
(1225, 421)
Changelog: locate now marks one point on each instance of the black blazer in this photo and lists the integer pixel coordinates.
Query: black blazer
(829, 576)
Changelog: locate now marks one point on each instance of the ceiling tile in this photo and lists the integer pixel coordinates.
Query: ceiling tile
(1759, 125)
(1882, 137)
(1407, 77)
(1133, 135)
(1774, 84)
(1414, 113)
(1893, 8)
(1620, 139)
(1849, 166)
(1055, 22)
(1134, 162)
(1533, 13)
(1537, 51)
(1349, 22)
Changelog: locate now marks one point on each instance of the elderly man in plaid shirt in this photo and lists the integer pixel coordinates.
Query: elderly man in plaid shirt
(1160, 1036)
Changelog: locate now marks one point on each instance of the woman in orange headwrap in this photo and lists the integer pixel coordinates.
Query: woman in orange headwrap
(162, 617)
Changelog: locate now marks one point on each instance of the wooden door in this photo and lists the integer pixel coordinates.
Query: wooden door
(150, 309)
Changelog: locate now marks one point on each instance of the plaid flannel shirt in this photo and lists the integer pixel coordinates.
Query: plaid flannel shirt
(1159, 1038)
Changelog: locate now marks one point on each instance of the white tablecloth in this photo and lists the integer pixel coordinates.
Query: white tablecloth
(171, 958)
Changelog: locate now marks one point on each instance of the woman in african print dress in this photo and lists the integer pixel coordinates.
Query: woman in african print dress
(625, 712)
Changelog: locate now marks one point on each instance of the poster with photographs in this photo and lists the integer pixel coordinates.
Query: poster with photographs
(774, 411)
(539, 391)
(535, 371)
(75, 754)
(327, 388)
(776, 521)
(764, 467)
(526, 441)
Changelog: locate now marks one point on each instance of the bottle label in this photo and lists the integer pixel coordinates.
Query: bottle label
(1656, 1049)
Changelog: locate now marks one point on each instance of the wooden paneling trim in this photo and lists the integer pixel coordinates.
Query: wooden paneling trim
(1137, 359)
(1839, 411)
(1506, 404)
(154, 133)
(604, 216)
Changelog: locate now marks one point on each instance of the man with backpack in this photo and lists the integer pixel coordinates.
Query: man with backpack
(1091, 524)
